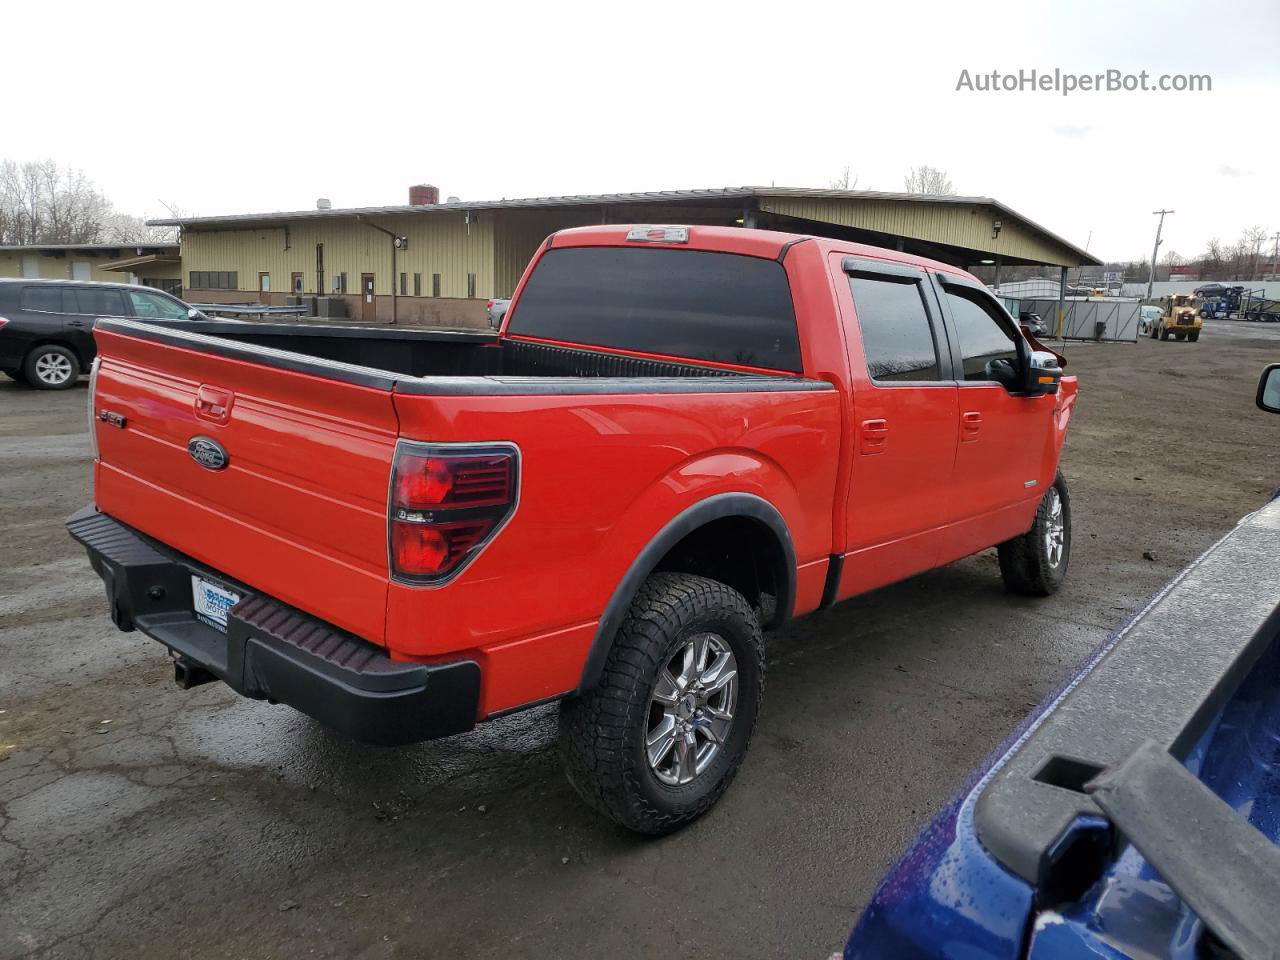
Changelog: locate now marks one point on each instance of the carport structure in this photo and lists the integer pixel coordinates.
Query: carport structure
(437, 262)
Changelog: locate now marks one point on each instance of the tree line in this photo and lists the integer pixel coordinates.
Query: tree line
(43, 202)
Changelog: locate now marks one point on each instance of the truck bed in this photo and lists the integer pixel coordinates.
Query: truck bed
(440, 353)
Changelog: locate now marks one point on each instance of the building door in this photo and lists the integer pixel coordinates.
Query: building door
(264, 287)
(368, 306)
(80, 270)
(31, 268)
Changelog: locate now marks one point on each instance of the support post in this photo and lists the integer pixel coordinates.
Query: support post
(1062, 302)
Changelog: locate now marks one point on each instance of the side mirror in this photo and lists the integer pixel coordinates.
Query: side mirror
(194, 314)
(1043, 374)
(1269, 389)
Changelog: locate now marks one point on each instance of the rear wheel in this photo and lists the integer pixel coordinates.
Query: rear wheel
(51, 367)
(1155, 332)
(1193, 337)
(1035, 564)
(657, 741)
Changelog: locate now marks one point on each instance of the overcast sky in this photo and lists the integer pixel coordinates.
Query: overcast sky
(241, 107)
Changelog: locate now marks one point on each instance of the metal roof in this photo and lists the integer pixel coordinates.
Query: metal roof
(597, 199)
(88, 247)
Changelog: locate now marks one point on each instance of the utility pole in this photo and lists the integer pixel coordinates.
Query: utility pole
(1275, 261)
(1156, 249)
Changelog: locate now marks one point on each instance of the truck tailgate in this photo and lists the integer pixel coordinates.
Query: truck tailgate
(298, 511)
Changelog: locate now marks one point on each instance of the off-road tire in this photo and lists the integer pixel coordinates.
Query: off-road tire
(1025, 564)
(1164, 334)
(1155, 331)
(602, 731)
(59, 354)
(1193, 337)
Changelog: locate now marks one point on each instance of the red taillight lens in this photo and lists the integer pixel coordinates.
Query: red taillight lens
(3, 321)
(445, 505)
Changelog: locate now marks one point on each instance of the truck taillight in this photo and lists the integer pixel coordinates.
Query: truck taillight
(446, 503)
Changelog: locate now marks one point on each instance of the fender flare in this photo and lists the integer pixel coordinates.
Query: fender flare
(705, 511)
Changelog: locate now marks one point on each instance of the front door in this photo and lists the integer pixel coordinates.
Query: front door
(81, 270)
(264, 287)
(1000, 467)
(903, 424)
(368, 305)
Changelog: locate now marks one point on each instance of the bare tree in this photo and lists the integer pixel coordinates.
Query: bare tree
(1253, 239)
(42, 202)
(843, 181)
(930, 180)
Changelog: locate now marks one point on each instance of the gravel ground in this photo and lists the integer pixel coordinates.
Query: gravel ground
(140, 821)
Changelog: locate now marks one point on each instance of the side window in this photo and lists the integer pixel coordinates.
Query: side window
(896, 336)
(982, 337)
(98, 302)
(157, 308)
(45, 298)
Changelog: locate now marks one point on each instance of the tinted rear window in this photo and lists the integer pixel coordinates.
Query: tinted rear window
(42, 298)
(680, 303)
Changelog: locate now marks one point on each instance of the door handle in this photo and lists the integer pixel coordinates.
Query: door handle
(77, 324)
(970, 424)
(874, 436)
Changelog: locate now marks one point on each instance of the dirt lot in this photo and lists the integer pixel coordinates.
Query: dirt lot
(137, 820)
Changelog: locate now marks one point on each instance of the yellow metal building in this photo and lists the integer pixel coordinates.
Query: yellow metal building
(438, 263)
(156, 265)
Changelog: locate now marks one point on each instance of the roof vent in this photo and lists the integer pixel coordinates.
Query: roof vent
(450, 199)
(324, 204)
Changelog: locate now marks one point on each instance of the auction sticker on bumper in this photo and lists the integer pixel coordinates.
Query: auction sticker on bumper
(211, 602)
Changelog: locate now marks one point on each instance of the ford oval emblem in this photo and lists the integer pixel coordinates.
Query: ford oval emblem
(209, 453)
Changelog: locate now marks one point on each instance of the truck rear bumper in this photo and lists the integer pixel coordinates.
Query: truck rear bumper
(271, 651)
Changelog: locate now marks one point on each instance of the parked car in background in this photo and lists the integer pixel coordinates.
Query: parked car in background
(1033, 324)
(497, 310)
(1136, 813)
(680, 436)
(1148, 316)
(46, 326)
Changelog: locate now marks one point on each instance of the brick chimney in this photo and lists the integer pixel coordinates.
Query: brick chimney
(423, 193)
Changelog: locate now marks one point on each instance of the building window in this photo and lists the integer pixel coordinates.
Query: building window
(319, 268)
(214, 280)
(417, 284)
(471, 285)
(168, 286)
(404, 284)
(435, 284)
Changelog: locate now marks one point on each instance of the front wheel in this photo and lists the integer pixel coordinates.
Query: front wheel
(657, 741)
(1164, 334)
(1035, 564)
(1154, 332)
(1193, 337)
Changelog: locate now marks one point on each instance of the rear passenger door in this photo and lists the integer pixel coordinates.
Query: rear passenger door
(903, 421)
(84, 305)
(1003, 432)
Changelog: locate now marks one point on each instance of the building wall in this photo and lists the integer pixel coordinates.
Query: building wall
(518, 234)
(957, 224)
(59, 268)
(444, 244)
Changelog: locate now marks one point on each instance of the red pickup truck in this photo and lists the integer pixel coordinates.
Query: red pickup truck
(679, 436)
